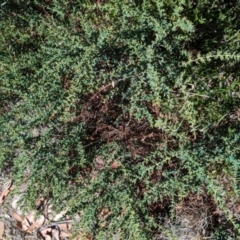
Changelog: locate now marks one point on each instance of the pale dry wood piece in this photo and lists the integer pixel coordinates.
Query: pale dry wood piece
(1, 230)
(113, 84)
(52, 215)
(7, 185)
(17, 204)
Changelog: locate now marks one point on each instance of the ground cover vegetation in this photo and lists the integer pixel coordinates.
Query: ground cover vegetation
(125, 111)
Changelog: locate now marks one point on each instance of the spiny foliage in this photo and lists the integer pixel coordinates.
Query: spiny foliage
(151, 85)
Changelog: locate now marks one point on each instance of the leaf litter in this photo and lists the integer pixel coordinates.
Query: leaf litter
(32, 225)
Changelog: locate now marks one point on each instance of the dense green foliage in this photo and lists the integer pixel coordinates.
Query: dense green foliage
(150, 85)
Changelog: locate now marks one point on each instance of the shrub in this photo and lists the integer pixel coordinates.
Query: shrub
(127, 106)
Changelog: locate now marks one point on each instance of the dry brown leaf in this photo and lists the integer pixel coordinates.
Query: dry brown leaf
(65, 230)
(55, 234)
(19, 225)
(48, 237)
(28, 221)
(64, 234)
(115, 165)
(88, 237)
(46, 233)
(31, 217)
(39, 222)
(17, 217)
(69, 227)
(63, 226)
(1, 230)
(25, 225)
(3, 196)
